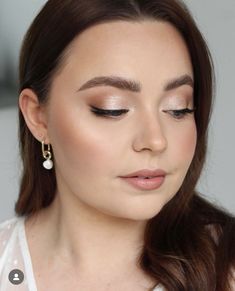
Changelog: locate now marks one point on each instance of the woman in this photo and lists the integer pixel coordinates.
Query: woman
(114, 105)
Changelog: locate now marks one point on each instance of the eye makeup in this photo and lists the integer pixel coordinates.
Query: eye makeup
(178, 101)
(176, 114)
(110, 103)
(104, 112)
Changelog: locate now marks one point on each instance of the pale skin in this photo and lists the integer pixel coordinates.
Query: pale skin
(93, 231)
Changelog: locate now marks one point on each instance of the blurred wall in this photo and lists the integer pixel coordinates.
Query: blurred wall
(15, 17)
(216, 22)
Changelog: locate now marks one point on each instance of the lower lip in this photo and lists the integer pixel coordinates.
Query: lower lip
(145, 184)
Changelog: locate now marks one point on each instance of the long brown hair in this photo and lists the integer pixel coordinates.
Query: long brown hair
(189, 244)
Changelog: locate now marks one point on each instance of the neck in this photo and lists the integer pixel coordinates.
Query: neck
(88, 239)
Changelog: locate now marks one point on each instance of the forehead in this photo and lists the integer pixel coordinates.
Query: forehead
(148, 49)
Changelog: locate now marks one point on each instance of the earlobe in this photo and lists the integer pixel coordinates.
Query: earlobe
(34, 114)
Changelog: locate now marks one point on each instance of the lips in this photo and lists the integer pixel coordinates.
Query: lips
(145, 174)
(146, 179)
(144, 183)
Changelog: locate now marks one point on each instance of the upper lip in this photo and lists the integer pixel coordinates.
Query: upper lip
(146, 173)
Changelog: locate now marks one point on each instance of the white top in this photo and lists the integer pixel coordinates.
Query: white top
(14, 254)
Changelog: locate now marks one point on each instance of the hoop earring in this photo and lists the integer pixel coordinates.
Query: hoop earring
(48, 164)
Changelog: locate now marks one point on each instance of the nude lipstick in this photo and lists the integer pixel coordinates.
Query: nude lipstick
(146, 179)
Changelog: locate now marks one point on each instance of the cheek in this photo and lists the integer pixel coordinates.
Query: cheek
(189, 142)
(185, 144)
(77, 144)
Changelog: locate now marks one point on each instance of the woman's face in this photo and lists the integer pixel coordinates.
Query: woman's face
(91, 152)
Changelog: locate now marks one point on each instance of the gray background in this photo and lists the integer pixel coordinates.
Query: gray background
(216, 20)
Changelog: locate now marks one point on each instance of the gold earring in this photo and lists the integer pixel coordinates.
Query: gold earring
(48, 164)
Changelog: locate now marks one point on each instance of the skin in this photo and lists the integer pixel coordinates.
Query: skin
(94, 228)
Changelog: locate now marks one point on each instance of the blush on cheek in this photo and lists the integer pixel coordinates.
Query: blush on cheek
(182, 142)
(188, 144)
(80, 147)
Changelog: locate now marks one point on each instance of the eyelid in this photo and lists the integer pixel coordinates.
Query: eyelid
(118, 112)
(108, 112)
(184, 111)
(179, 99)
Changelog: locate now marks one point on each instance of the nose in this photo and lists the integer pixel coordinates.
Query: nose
(150, 135)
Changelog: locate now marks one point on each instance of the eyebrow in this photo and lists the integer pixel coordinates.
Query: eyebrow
(132, 85)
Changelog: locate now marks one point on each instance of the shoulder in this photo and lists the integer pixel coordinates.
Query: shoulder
(7, 228)
(7, 225)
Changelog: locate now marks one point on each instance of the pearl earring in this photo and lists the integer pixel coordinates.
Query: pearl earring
(48, 164)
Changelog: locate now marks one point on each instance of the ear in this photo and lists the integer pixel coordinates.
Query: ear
(34, 114)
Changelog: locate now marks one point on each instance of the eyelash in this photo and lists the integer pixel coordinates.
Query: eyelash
(179, 114)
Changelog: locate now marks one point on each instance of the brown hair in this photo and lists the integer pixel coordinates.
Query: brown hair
(189, 244)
